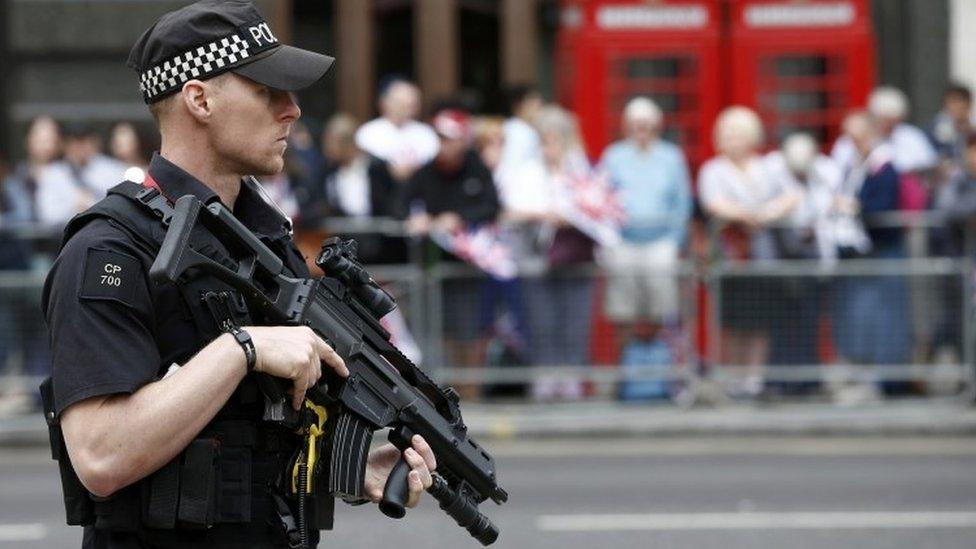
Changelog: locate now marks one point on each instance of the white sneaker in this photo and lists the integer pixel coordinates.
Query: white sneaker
(753, 386)
(748, 387)
(857, 395)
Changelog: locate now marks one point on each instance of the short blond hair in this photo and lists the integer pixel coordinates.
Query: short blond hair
(734, 122)
(800, 151)
(888, 102)
(643, 108)
(160, 108)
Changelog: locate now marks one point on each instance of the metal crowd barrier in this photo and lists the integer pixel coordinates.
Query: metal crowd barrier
(463, 327)
(903, 324)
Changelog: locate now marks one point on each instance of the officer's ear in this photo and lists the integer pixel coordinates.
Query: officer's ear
(196, 97)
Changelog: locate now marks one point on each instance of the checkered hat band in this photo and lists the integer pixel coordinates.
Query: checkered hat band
(200, 62)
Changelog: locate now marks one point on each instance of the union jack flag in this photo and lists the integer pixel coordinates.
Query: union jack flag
(482, 247)
(590, 204)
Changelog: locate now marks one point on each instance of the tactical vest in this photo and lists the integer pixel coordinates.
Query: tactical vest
(211, 481)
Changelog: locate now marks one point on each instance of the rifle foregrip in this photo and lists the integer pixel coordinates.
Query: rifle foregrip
(397, 490)
(347, 466)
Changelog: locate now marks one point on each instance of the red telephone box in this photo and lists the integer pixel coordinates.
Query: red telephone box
(802, 64)
(609, 51)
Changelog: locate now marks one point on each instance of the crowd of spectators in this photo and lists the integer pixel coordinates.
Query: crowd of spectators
(455, 171)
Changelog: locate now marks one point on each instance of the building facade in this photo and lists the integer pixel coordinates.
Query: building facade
(66, 58)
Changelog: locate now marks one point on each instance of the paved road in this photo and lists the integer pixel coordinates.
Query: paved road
(701, 494)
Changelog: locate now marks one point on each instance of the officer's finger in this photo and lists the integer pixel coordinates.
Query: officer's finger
(317, 370)
(416, 489)
(313, 371)
(330, 357)
(298, 394)
(425, 451)
(419, 466)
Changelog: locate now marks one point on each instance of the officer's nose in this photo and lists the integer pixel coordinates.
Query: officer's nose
(288, 110)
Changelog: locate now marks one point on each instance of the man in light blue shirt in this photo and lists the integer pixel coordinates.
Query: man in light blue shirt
(651, 178)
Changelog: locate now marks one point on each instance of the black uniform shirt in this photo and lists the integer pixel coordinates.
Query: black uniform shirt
(113, 332)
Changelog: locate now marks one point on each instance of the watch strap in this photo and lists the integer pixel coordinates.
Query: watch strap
(244, 340)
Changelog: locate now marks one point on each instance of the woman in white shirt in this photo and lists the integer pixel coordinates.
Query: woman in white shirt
(737, 191)
(558, 303)
(808, 234)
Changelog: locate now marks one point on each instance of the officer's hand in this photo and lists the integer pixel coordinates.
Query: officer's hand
(419, 224)
(449, 222)
(381, 461)
(295, 353)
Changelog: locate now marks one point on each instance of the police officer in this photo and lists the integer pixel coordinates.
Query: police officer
(159, 411)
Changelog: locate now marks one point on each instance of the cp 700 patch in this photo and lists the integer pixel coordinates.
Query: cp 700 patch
(111, 275)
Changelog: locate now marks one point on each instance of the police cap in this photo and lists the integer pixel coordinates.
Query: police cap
(211, 37)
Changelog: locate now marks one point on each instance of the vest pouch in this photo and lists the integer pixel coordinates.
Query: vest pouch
(208, 483)
(78, 507)
(162, 495)
(198, 506)
(233, 495)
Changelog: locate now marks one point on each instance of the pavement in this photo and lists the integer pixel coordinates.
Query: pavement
(609, 419)
(634, 493)
(590, 419)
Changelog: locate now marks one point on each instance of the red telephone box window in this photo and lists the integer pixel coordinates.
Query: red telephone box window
(614, 50)
(802, 65)
(802, 93)
(670, 80)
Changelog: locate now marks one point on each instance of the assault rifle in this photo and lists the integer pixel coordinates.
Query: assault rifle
(384, 389)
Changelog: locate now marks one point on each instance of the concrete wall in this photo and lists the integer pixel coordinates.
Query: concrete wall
(67, 58)
(913, 50)
(962, 41)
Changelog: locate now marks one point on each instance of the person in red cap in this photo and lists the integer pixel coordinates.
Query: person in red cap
(453, 191)
(164, 443)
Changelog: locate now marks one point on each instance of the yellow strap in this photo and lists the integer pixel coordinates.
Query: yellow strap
(310, 455)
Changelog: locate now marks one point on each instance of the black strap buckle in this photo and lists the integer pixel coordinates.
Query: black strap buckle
(157, 203)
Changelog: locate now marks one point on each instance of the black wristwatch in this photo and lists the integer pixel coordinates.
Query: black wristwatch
(244, 340)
